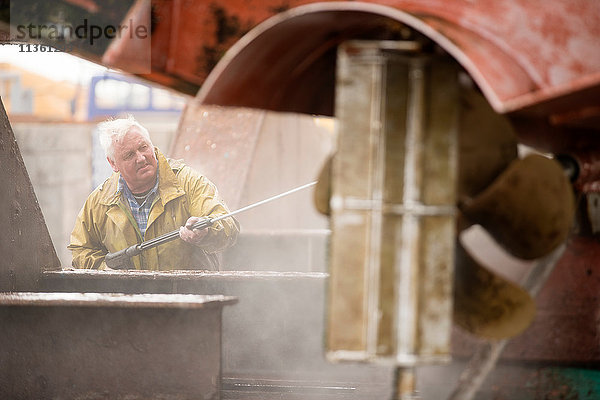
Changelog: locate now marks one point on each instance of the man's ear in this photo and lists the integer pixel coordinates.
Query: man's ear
(112, 164)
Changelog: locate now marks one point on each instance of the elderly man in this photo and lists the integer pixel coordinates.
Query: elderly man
(146, 196)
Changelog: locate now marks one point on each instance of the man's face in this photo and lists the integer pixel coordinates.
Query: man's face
(134, 158)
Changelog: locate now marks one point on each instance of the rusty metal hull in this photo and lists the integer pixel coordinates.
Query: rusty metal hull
(565, 330)
(527, 56)
(80, 346)
(523, 56)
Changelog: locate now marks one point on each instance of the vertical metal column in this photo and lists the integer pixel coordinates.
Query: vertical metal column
(393, 205)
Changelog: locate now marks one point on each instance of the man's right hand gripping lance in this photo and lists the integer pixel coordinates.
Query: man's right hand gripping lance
(122, 259)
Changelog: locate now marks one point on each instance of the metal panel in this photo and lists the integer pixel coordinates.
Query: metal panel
(280, 315)
(25, 244)
(75, 345)
(213, 139)
(393, 196)
(521, 55)
(272, 339)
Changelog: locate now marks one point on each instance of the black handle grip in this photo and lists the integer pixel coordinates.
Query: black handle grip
(122, 259)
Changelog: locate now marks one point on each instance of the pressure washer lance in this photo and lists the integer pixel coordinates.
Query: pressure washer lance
(122, 259)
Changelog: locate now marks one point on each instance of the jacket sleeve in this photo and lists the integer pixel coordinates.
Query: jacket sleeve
(85, 244)
(205, 201)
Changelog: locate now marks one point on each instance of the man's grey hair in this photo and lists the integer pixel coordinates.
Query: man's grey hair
(112, 130)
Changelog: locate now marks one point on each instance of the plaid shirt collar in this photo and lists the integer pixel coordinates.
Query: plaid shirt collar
(140, 212)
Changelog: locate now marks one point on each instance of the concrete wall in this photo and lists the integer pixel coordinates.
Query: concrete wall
(57, 158)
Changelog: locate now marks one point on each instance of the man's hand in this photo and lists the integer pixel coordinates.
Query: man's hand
(193, 236)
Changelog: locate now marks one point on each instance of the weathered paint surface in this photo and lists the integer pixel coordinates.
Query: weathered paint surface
(549, 383)
(114, 300)
(524, 56)
(565, 329)
(545, 39)
(25, 245)
(393, 183)
(272, 338)
(84, 346)
(571, 383)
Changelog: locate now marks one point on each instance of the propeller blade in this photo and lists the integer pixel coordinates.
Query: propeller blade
(528, 209)
(323, 189)
(488, 144)
(486, 304)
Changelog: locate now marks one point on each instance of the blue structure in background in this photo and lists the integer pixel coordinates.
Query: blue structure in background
(112, 94)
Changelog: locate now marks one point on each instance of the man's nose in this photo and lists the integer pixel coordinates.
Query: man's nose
(139, 157)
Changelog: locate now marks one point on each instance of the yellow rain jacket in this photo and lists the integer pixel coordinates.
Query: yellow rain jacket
(105, 223)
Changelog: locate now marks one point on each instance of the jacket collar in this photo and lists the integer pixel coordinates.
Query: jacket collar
(168, 185)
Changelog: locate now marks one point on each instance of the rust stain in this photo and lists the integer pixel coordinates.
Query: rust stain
(284, 6)
(228, 28)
